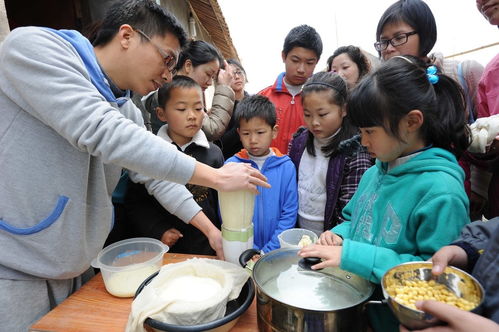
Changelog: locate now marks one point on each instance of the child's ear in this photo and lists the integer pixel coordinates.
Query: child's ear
(161, 114)
(415, 119)
(344, 111)
(283, 56)
(275, 131)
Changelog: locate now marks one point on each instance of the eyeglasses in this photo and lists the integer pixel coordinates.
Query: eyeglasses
(170, 61)
(238, 73)
(398, 40)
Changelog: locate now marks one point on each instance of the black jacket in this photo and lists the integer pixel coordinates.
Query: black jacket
(147, 217)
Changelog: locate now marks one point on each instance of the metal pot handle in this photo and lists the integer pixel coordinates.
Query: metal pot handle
(382, 302)
(246, 256)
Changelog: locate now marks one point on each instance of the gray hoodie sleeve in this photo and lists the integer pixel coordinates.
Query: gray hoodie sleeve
(175, 198)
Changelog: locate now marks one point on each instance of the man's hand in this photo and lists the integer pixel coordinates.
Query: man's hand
(240, 176)
(215, 238)
(214, 235)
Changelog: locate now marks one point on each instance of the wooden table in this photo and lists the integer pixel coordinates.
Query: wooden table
(92, 308)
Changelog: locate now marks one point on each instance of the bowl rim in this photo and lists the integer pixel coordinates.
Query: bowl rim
(200, 327)
(98, 264)
(430, 264)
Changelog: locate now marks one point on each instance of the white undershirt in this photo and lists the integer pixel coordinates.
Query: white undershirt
(292, 89)
(312, 187)
(261, 160)
(401, 160)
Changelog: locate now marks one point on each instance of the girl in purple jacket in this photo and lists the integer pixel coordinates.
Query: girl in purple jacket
(327, 154)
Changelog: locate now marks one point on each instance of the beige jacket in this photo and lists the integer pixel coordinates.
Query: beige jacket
(217, 118)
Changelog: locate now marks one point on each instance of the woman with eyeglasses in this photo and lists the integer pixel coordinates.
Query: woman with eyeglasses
(230, 142)
(408, 27)
(202, 62)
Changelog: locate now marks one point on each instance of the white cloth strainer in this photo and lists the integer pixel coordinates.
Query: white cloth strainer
(188, 293)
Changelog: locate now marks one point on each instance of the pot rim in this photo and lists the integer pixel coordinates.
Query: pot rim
(262, 289)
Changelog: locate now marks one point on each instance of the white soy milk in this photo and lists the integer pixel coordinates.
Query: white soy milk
(125, 283)
(311, 290)
(191, 288)
(236, 208)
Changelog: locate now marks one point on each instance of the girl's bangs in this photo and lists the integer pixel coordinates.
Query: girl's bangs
(365, 105)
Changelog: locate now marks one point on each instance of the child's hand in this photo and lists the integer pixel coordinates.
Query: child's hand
(171, 236)
(457, 319)
(449, 255)
(331, 255)
(328, 238)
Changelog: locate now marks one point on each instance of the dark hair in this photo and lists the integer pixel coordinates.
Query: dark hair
(199, 52)
(255, 106)
(303, 36)
(356, 55)
(145, 15)
(236, 63)
(418, 15)
(178, 81)
(333, 83)
(400, 85)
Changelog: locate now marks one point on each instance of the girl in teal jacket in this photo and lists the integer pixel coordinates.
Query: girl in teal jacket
(412, 202)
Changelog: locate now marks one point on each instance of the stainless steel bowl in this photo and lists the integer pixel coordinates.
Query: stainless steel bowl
(456, 280)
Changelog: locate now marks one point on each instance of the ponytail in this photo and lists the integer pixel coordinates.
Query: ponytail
(449, 130)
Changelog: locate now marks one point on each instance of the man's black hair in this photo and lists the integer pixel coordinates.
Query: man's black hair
(145, 15)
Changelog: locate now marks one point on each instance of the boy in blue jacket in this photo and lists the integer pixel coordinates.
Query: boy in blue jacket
(276, 207)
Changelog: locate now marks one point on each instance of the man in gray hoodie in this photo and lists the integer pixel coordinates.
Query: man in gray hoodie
(68, 129)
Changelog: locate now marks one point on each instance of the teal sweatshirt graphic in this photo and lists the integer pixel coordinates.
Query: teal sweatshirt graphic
(404, 214)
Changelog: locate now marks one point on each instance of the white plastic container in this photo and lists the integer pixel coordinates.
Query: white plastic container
(124, 265)
(236, 209)
(291, 237)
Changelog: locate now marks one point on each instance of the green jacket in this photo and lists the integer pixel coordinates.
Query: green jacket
(404, 214)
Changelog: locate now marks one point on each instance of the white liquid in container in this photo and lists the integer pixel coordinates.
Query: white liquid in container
(236, 208)
(311, 290)
(234, 249)
(125, 283)
(191, 289)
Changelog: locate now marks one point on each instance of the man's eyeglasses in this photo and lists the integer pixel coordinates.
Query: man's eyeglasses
(170, 61)
(398, 40)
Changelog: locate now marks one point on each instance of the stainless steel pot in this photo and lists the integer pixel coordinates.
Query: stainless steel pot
(292, 297)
